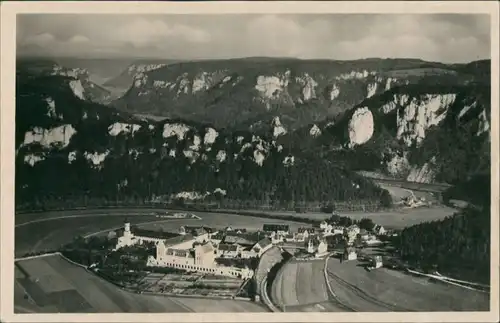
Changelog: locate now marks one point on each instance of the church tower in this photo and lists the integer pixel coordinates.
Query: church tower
(127, 232)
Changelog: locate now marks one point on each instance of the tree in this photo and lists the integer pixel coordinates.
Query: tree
(385, 199)
(366, 224)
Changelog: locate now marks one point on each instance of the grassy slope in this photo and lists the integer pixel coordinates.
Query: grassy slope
(105, 297)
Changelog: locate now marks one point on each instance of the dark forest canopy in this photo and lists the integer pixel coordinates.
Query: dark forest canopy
(458, 246)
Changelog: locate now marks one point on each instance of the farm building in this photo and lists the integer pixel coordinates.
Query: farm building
(262, 246)
(350, 254)
(306, 232)
(235, 230)
(197, 231)
(217, 238)
(228, 250)
(290, 237)
(243, 239)
(282, 229)
(317, 246)
(277, 237)
(377, 262)
(378, 229)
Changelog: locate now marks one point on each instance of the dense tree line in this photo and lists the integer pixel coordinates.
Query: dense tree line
(458, 245)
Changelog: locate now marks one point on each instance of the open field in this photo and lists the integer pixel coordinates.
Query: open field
(57, 228)
(394, 219)
(222, 220)
(41, 231)
(56, 285)
(389, 290)
(49, 235)
(301, 287)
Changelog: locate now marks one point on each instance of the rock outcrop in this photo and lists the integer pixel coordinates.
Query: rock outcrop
(360, 127)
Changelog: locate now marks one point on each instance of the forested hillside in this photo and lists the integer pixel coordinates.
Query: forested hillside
(413, 120)
(68, 147)
(458, 246)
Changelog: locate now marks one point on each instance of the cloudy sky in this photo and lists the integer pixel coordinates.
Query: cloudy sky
(445, 38)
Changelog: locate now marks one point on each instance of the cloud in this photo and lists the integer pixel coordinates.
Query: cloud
(144, 32)
(436, 37)
(78, 39)
(41, 40)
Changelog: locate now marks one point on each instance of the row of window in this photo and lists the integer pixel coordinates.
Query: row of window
(207, 270)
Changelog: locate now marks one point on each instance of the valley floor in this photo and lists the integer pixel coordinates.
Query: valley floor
(394, 219)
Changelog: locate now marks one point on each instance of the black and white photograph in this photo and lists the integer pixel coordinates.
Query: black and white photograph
(252, 162)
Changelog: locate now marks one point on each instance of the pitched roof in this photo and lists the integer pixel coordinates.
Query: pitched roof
(350, 249)
(242, 239)
(276, 227)
(178, 239)
(206, 248)
(152, 233)
(198, 230)
(219, 236)
(228, 247)
(264, 242)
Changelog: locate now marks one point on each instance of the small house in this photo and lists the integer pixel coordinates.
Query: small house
(306, 232)
(316, 245)
(262, 246)
(217, 238)
(337, 230)
(379, 230)
(278, 228)
(277, 237)
(290, 237)
(228, 250)
(377, 262)
(323, 225)
(350, 254)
